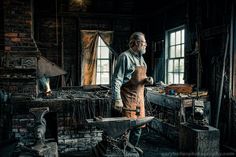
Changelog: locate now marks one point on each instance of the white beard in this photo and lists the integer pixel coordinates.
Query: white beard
(142, 51)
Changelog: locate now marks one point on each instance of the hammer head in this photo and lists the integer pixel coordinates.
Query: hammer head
(137, 111)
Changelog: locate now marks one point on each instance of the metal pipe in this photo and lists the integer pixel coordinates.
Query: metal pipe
(230, 70)
(222, 81)
(231, 51)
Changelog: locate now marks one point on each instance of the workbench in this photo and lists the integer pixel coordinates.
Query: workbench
(171, 102)
(170, 111)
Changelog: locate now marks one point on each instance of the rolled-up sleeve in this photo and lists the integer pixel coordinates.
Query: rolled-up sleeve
(118, 76)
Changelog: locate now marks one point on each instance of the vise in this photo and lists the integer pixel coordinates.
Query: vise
(115, 136)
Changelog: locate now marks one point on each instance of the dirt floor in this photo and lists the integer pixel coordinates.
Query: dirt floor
(155, 145)
(152, 144)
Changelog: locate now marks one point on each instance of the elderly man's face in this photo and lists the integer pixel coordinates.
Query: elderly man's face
(142, 45)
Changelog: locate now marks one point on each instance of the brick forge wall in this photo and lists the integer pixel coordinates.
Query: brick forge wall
(18, 25)
(65, 121)
(17, 72)
(19, 62)
(75, 138)
(70, 138)
(22, 128)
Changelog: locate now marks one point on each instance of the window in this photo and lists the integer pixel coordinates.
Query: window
(175, 56)
(103, 63)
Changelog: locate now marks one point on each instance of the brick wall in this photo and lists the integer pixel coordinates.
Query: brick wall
(18, 60)
(22, 128)
(18, 25)
(69, 138)
(72, 133)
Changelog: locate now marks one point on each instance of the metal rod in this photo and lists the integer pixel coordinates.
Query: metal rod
(222, 81)
(198, 72)
(230, 71)
(231, 50)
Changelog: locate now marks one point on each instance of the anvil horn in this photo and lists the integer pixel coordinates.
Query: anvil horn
(140, 121)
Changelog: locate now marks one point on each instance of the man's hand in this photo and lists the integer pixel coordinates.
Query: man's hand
(118, 106)
(149, 81)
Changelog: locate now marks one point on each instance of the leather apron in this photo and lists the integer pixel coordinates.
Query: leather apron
(132, 94)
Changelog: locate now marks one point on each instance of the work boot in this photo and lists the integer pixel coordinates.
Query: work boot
(139, 150)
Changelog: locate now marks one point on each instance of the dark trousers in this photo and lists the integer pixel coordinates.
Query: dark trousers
(134, 136)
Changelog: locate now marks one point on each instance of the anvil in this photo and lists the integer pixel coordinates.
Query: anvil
(117, 126)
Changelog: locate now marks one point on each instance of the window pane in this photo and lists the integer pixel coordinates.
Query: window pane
(102, 42)
(104, 78)
(176, 65)
(172, 52)
(104, 52)
(172, 39)
(170, 78)
(98, 65)
(181, 78)
(105, 65)
(170, 66)
(183, 35)
(178, 37)
(98, 78)
(99, 52)
(99, 40)
(176, 78)
(175, 56)
(178, 51)
(181, 66)
(182, 48)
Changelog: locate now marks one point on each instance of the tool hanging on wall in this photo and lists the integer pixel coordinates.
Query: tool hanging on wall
(222, 81)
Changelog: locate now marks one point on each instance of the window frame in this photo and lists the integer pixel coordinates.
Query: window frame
(167, 53)
(100, 46)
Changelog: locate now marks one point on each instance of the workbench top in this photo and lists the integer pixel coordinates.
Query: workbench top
(171, 101)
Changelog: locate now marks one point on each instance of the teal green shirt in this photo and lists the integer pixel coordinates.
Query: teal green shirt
(125, 66)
